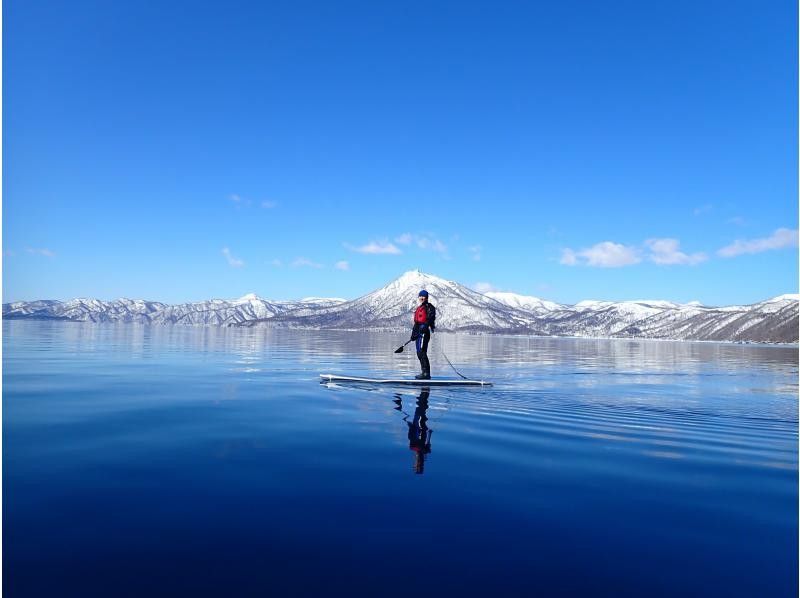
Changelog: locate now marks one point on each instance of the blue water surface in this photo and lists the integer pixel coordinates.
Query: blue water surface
(203, 461)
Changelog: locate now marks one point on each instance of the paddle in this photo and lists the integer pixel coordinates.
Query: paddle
(400, 349)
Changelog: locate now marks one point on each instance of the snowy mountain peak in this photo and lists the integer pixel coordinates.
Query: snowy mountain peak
(419, 278)
(247, 298)
(412, 282)
(786, 297)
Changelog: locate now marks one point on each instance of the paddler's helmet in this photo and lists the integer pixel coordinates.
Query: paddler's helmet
(423, 293)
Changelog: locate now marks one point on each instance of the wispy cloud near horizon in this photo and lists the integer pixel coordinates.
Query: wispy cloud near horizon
(425, 242)
(662, 252)
(383, 247)
(782, 238)
(302, 262)
(667, 252)
(602, 255)
(233, 262)
(431, 244)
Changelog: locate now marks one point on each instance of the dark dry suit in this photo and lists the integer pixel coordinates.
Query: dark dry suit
(424, 324)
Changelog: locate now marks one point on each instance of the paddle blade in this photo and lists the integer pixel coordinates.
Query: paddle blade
(400, 349)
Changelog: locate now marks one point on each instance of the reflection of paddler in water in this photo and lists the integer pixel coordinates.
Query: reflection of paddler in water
(419, 435)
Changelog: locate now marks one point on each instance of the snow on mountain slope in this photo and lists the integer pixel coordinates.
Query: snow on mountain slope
(525, 302)
(85, 310)
(458, 308)
(392, 306)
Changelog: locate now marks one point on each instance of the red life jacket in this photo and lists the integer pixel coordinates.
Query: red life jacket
(421, 315)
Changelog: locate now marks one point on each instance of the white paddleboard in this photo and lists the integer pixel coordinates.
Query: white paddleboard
(412, 381)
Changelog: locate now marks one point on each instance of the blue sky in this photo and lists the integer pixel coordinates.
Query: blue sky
(607, 150)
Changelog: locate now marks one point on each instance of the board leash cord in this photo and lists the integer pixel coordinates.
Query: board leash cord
(454, 367)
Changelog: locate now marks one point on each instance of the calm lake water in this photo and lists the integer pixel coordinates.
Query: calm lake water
(203, 461)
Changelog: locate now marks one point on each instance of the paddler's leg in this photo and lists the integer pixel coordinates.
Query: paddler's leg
(423, 356)
(421, 346)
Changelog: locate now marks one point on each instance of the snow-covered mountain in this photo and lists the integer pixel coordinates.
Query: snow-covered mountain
(85, 310)
(217, 312)
(458, 309)
(525, 302)
(389, 308)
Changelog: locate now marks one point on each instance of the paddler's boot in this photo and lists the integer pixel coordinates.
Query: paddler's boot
(426, 370)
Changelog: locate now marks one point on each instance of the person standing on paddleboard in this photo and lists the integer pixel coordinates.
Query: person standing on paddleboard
(424, 324)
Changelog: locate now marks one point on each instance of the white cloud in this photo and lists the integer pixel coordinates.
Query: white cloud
(426, 242)
(277, 263)
(232, 261)
(602, 255)
(40, 251)
(484, 287)
(302, 262)
(780, 239)
(667, 252)
(376, 248)
(475, 250)
(435, 245)
(438, 246)
(611, 255)
(737, 220)
(235, 198)
(568, 257)
(268, 205)
(342, 265)
(432, 244)
(607, 254)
